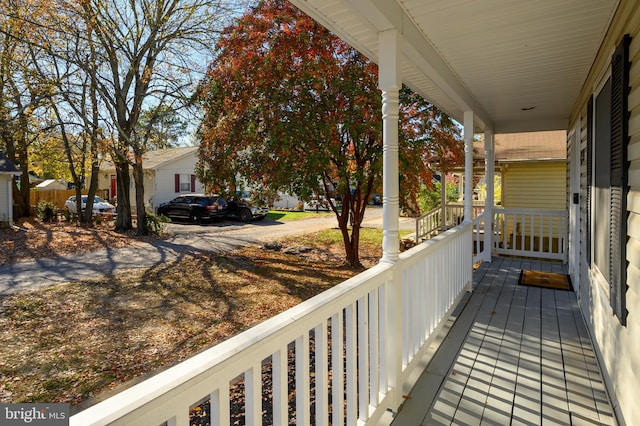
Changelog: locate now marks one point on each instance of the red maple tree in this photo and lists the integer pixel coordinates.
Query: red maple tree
(291, 107)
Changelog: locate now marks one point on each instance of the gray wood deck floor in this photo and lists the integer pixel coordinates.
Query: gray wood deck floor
(515, 355)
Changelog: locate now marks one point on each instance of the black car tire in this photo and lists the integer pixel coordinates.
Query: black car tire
(195, 218)
(244, 215)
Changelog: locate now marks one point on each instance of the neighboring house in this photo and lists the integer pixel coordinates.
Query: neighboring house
(7, 171)
(52, 185)
(286, 201)
(167, 173)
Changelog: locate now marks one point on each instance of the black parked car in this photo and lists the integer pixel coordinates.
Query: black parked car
(195, 207)
(245, 210)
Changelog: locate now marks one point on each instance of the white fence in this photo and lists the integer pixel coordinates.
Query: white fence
(342, 357)
(531, 233)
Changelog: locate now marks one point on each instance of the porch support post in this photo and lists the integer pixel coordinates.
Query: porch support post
(390, 82)
(468, 166)
(489, 173)
(443, 201)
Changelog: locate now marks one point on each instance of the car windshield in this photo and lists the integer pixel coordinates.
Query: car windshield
(96, 200)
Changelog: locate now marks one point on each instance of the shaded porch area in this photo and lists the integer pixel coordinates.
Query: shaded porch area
(511, 354)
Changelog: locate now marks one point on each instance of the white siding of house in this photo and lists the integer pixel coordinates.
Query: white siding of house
(159, 184)
(534, 185)
(164, 184)
(286, 201)
(618, 347)
(5, 205)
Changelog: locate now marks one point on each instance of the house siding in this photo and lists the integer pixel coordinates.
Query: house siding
(164, 184)
(534, 186)
(617, 346)
(159, 183)
(5, 206)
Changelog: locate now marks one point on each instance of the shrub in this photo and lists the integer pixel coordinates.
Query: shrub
(155, 223)
(45, 210)
(429, 199)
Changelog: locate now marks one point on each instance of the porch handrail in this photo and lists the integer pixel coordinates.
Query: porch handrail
(377, 324)
(539, 233)
(430, 223)
(479, 248)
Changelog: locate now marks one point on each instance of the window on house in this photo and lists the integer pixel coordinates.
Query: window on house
(609, 121)
(185, 183)
(601, 181)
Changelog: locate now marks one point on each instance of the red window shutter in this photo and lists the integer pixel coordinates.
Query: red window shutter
(177, 188)
(193, 183)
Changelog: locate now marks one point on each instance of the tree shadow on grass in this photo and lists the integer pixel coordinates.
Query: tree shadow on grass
(85, 338)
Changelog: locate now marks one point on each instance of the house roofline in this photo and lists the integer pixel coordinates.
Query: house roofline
(176, 158)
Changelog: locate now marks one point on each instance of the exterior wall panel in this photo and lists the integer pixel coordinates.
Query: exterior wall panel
(617, 346)
(165, 179)
(4, 198)
(585, 290)
(535, 186)
(159, 184)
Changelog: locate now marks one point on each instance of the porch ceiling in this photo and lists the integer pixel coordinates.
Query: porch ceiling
(495, 57)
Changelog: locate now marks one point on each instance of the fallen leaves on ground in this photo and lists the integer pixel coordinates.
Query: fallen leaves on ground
(32, 239)
(71, 342)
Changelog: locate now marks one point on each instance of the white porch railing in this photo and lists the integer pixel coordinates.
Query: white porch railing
(478, 227)
(429, 224)
(531, 233)
(359, 342)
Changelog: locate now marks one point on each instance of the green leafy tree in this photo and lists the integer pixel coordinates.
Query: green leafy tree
(430, 197)
(47, 158)
(161, 127)
(294, 108)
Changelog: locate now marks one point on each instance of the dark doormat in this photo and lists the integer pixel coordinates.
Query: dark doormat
(545, 279)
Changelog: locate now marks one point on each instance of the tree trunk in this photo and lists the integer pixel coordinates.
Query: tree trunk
(138, 177)
(350, 213)
(17, 195)
(93, 187)
(123, 209)
(24, 199)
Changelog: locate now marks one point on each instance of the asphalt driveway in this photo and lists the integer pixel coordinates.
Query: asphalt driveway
(185, 240)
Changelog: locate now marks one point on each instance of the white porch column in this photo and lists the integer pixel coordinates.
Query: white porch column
(390, 82)
(489, 173)
(443, 200)
(468, 166)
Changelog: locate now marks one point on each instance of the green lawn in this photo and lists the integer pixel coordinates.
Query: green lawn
(290, 216)
(369, 237)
